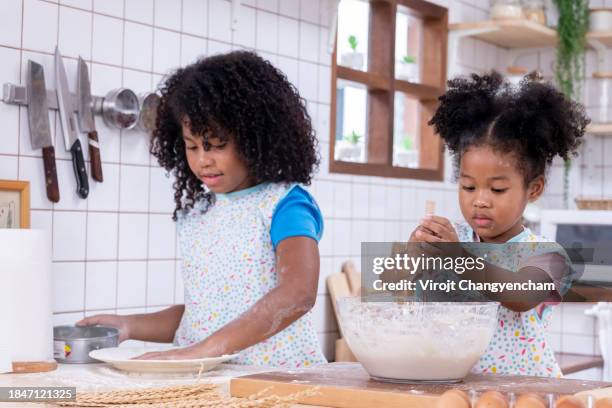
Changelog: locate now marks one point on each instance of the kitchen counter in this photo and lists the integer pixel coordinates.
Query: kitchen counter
(102, 377)
(348, 385)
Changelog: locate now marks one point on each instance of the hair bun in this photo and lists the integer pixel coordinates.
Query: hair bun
(547, 122)
(468, 104)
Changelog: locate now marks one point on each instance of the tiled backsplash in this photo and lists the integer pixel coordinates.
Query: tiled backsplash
(116, 251)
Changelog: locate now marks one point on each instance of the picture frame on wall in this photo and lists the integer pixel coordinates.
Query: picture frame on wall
(14, 204)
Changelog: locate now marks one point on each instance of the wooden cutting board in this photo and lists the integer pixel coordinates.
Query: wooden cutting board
(347, 385)
(33, 366)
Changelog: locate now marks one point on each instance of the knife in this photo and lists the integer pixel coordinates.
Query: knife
(73, 144)
(38, 121)
(86, 120)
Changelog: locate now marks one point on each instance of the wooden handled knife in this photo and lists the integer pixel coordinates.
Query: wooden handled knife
(86, 120)
(40, 131)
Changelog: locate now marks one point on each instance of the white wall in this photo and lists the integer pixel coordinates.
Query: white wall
(116, 251)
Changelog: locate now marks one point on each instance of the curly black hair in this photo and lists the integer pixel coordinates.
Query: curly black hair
(241, 96)
(534, 121)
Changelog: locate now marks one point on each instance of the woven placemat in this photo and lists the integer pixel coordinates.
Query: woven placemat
(185, 396)
(198, 395)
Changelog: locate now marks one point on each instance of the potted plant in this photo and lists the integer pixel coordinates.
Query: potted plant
(349, 148)
(405, 155)
(353, 59)
(572, 28)
(406, 68)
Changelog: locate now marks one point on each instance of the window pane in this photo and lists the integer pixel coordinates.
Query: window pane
(406, 131)
(408, 45)
(351, 124)
(353, 22)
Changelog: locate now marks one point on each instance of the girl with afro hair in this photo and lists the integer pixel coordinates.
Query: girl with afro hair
(238, 139)
(503, 139)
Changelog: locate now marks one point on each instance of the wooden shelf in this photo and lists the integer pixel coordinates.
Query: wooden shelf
(520, 33)
(509, 33)
(601, 129)
(605, 37)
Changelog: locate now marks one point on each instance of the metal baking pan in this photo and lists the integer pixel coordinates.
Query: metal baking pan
(72, 344)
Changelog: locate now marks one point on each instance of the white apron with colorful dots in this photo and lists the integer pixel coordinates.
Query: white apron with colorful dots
(519, 345)
(228, 265)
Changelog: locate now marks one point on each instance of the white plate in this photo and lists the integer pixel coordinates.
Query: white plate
(121, 358)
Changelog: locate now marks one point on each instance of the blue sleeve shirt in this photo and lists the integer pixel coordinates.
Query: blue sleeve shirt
(296, 215)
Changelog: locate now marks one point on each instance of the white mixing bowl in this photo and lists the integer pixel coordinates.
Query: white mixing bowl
(417, 341)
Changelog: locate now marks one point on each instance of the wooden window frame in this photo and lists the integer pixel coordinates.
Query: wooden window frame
(381, 85)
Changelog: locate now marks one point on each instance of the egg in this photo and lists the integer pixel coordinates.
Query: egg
(604, 403)
(530, 400)
(492, 399)
(569, 402)
(453, 399)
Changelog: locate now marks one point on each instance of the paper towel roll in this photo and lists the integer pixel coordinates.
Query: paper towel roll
(6, 359)
(26, 307)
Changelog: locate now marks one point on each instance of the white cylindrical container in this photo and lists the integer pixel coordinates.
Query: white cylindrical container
(506, 10)
(6, 359)
(600, 19)
(26, 307)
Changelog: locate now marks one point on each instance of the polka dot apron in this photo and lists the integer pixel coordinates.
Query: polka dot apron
(229, 264)
(519, 345)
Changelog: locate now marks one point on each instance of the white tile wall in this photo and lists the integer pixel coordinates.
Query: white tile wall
(160, 283)
(75, 32)
(110, 7)
(116, 251)
(138, 47)
(195, 17)
(10, 30)
(131, 284)
(100, 285)
(168, 14)
(245, 34)
(139, 10)
(107, 39)
(40, 22)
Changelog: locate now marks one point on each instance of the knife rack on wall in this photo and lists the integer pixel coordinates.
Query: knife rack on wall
(120, 108)
(17, 95)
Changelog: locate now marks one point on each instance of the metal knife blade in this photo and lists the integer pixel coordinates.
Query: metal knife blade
(38, 110)
(64, 103)
(86, 120)
(40, 131)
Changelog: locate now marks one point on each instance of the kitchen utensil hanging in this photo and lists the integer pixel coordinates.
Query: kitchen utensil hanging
(149, 101)
(119, 108)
